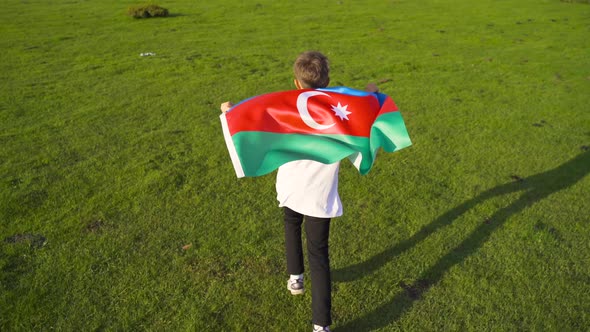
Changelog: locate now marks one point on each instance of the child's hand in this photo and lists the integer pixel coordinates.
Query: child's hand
(371, 88)
(226, 106)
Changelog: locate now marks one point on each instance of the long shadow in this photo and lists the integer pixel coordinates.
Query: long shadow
(535, 188)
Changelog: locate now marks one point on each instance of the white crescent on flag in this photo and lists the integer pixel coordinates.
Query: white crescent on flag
(304, 111)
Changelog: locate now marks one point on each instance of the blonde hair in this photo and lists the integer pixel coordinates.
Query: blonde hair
(312, 70)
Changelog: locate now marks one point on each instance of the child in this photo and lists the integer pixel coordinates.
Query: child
(308, 190)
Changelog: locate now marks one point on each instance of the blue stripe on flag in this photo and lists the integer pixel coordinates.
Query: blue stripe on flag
(354, 92)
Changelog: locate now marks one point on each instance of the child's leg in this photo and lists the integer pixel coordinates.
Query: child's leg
(318, 233)
(293, 248)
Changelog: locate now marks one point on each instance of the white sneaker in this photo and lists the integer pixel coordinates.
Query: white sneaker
(295, 286)
(317, 328)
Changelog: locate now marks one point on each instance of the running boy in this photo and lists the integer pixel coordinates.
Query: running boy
(308, 189)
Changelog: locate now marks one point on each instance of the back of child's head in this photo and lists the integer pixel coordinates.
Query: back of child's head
(312, 70)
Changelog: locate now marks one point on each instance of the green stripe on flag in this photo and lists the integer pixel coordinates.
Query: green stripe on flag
(389, 131)
(263, 152)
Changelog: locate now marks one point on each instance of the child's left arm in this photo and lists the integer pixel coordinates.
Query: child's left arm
(226, 106)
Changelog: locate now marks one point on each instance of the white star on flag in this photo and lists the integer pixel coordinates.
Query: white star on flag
(341, 111)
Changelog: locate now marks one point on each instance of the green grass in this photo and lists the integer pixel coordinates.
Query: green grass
(118, 161)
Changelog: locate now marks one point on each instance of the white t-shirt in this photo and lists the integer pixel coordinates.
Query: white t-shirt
(310, 188)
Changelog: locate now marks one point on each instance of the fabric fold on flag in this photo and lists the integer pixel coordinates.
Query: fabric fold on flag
(326, 125)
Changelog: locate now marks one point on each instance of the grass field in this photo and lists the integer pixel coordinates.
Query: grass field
(120, 210)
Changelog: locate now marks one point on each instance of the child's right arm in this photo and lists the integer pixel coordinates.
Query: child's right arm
(371, 88)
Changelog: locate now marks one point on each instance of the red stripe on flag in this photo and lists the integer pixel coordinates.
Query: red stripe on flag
(278, 113)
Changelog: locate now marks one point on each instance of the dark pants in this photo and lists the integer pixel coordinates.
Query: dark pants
(317, 231)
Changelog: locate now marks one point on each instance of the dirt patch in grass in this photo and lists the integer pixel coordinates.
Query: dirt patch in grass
(36, 241)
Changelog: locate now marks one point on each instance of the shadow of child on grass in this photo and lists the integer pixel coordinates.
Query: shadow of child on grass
(534, 189)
